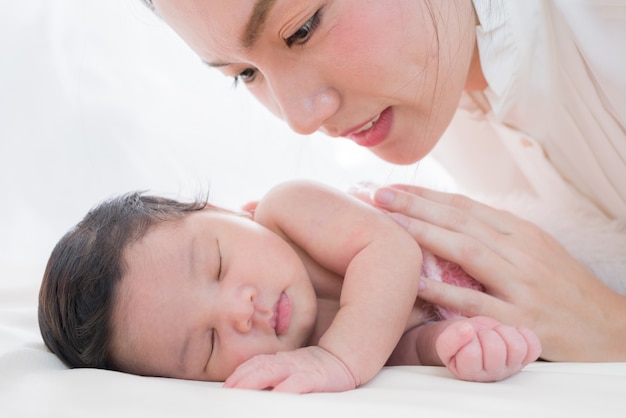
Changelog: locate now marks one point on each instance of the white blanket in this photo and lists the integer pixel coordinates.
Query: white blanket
(98, 97)
(34, 383)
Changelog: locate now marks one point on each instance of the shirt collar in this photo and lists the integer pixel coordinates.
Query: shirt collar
(496, 44)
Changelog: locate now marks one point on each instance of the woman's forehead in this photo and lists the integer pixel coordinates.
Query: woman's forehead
(214, 26)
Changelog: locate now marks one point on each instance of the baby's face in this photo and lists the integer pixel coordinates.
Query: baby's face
(203, 294)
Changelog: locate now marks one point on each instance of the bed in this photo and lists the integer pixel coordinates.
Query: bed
(99, 98)
(34, 383)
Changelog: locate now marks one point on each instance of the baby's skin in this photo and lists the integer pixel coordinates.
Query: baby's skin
(477, 349)
(316, 293)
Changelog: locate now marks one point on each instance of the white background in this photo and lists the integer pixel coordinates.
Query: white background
(100, 97)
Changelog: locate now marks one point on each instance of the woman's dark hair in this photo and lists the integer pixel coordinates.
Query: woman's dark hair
(76, 295)
(149, 4)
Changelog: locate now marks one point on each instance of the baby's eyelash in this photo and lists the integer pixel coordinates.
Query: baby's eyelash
(219, 265)
(212, 338)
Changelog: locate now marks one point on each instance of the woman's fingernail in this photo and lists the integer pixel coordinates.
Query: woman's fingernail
(384, 196)
(422, 285)
(402, 220)
(363, 190)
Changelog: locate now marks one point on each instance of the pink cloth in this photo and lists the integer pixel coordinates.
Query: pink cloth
(436, 268)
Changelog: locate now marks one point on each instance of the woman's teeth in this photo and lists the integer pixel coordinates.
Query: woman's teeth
(368, 125)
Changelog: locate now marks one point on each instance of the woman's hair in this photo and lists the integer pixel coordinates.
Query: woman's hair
(149, 4)
(77, 291)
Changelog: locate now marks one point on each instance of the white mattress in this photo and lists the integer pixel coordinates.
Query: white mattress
(98, 97)
(34, 383)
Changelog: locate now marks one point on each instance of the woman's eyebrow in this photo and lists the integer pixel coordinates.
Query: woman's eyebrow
(255, 24)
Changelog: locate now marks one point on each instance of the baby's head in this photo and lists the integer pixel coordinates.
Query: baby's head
(77, 293)
(156, 287)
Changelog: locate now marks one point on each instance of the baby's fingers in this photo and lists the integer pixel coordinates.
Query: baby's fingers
(308, 369)
(297, 383)
(533, 343)
(260, 372)
(507, 350)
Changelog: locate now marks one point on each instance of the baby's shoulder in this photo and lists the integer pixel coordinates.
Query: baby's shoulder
(299, 190)
(301, 199)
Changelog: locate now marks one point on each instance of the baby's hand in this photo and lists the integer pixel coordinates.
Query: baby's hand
(305, 370)
(482, 349)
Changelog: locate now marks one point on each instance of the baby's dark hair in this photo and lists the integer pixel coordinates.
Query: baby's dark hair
(77, 291)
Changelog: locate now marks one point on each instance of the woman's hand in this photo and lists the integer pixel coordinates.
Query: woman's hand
(530, 279)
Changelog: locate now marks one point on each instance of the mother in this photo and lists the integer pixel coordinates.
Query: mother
(537, 85)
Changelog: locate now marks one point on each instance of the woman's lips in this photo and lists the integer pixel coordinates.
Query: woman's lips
(283, 314)
(373, 132)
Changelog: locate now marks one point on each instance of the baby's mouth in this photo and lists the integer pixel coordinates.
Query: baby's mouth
(282, 314)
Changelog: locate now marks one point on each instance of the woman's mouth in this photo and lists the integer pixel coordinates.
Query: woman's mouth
(374, 131)
(368, 125)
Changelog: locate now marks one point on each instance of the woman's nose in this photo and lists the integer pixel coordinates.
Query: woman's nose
(306, 114)
(304, 103)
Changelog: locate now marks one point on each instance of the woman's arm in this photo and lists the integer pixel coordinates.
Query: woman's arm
(380, 264)
(530, 279)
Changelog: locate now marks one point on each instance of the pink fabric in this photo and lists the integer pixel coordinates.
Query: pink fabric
(436, 268)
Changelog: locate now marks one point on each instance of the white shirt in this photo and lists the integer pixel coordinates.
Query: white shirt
(553, 120)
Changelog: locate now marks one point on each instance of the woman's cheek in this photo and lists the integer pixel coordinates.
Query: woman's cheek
(264, 96)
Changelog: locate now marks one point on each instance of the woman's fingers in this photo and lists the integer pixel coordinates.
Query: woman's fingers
(530, 279)
(453, 213)
(478, 238)
(478, 259)
(446, 209)
(506, 234)
(491, 245)
(468, 302)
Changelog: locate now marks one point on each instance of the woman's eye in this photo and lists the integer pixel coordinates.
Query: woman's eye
(246, 76)
(302, 35)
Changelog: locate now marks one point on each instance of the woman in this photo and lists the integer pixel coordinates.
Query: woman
(531, 96)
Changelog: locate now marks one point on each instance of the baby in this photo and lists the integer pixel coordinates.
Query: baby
(317, 293)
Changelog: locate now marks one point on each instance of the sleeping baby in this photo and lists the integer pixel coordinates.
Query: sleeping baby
(315, 292)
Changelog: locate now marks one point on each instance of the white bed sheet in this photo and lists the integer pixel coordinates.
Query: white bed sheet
(34, 383)
(98, 97)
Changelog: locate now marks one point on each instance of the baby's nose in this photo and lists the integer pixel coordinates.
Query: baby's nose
(242, 310)
(243, 325)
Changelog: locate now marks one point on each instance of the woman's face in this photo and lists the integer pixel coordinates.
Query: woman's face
(385, 74)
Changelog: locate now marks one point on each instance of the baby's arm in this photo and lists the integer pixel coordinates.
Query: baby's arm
(380, 264)
(478, 349)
